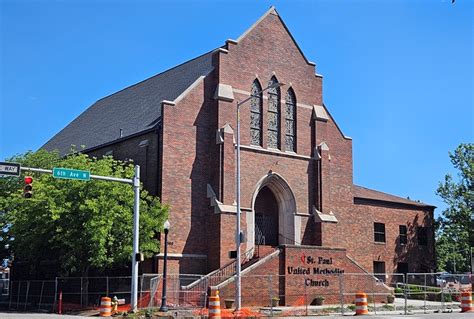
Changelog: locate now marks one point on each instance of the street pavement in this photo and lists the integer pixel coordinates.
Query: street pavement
(17, 315)
(454, 315)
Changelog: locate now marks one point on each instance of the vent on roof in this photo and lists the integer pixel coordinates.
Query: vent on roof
(121, 133)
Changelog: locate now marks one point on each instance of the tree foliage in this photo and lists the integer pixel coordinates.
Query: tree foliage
(455, 225)
(77, 224)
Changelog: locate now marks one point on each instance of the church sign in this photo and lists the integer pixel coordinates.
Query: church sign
(315, 266)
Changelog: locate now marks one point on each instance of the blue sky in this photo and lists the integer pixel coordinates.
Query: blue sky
(398, 75)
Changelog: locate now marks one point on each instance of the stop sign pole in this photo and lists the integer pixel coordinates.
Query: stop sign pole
(66, 173)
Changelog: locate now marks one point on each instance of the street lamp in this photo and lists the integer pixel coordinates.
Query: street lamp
(163, 307)
(238, 233)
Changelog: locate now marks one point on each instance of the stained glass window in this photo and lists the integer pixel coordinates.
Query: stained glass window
(273, 115)
(256, 107)
(290, 121)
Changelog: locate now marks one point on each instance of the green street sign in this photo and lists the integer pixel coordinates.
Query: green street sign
(67, 173)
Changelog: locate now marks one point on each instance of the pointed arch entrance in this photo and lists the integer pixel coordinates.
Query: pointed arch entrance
(273, 219)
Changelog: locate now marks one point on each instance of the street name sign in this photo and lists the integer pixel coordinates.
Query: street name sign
(67, 173)
(11, 169)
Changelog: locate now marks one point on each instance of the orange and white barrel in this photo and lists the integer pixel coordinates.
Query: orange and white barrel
(105, 307)
(361, 304)
(466, 301)
(214, 304)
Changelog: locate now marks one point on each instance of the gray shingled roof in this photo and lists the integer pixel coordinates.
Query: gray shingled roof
(134, 109)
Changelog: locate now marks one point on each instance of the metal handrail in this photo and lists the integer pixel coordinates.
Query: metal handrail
(228, 270)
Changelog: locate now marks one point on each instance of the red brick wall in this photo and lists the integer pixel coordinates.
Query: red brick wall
(188, 133)
(275, 278)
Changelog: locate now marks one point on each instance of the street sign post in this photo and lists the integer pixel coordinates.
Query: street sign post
(67, 173)
(10, 169)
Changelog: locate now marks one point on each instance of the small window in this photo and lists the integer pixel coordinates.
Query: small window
(379, 270)
(422, 234)
(403, 234)
(379, 232)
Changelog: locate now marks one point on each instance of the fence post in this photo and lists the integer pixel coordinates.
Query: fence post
(10, 291)
(81, 291)
(27, 291)
(270, 290)
(405, 293)
(442, 297)
(107, 285)
(373, 295)
(55, 293)
(424, 304)
(141, 292)
(41, 295)
(305, 300)
(18, 296)
(341, 293)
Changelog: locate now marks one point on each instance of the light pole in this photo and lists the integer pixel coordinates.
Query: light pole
(163, 307)
(238, 233)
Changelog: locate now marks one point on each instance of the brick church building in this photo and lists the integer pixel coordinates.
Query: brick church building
(297, 192)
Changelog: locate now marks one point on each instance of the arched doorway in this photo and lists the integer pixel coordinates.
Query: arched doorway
(266, 218)
(273, 213)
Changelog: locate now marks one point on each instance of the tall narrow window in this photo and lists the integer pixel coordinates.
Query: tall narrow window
(290, 117)
(379, 232)
(256, 107)
(273, 115)
(403, 234)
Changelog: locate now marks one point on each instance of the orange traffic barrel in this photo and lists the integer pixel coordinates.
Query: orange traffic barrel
(214, 304)
(466, 301)
(105, 307)
(361, 304)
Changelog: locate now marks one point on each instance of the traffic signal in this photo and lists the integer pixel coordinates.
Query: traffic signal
(28, 188)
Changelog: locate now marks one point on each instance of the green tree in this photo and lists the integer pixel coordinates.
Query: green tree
(77, 225)
(455, 226)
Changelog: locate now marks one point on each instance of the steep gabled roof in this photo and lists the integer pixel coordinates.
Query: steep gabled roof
(273, 11)
(367, 193)
(134, 109)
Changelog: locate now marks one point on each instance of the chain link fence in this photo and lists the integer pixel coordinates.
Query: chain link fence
(290, 295)
(76, 293)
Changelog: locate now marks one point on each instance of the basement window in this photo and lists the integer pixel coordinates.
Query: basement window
(379, 232)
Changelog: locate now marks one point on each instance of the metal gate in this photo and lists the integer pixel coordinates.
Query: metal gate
(266, 229)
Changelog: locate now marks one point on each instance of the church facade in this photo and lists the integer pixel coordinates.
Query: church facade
(297, 191)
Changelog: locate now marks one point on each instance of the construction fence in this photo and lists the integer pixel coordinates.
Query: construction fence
(295, 294)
